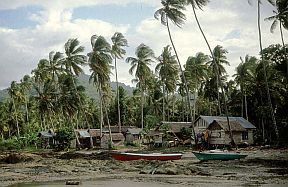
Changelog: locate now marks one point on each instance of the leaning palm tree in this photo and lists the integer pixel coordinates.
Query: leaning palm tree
(140, 64)
(200, 4)
(171, 10)
(168, 71)
(117, 51)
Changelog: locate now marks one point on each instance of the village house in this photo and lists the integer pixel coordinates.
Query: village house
(47, 138)
(218, 129)
(133, 136)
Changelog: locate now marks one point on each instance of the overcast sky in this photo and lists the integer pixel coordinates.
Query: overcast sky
(30, 29)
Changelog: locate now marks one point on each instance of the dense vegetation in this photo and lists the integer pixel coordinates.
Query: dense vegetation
(52, 98)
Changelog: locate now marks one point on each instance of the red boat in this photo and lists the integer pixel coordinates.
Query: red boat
(123, 156)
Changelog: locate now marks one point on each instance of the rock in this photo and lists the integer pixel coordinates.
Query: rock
(72, 182)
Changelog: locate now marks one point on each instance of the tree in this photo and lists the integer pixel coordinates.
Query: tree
(99, 62)
(242, 76)
(117, 51)
(196, 71)
(168, 73)
(171, 10)
(264, 69)
(140, 65)
(281, 15)
(216, 65)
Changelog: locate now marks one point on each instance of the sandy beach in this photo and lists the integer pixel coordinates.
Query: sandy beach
(262, 167)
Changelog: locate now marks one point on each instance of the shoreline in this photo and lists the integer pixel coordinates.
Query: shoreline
(267, 167)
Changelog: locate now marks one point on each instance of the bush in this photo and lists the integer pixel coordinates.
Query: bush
(12, 143)
(63, 137)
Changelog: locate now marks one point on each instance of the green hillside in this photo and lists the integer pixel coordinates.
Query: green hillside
(84, 81)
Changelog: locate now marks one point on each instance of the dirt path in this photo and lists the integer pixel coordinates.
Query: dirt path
(268, 167)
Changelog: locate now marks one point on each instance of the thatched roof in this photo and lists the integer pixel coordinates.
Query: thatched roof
(176, 126)
(235, 126)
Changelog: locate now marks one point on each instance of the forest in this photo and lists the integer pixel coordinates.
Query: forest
(51, 97)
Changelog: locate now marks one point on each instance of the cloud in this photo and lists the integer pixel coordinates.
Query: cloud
(231, 24)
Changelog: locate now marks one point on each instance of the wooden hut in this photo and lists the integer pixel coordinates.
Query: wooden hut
(219, 133)
(47, 138)
(133, 136)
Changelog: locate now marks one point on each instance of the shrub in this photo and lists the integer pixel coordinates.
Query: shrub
(63, 137)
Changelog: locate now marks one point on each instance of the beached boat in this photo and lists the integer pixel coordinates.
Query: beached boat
(145, 156)
(218, 155)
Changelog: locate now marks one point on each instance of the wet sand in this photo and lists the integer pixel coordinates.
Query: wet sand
(262, 167)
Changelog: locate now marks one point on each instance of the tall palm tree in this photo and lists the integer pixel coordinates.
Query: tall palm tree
(140, 64)
(171, 10)
(196, 71)
(264, 69)
(118, 42)
(242, 78)
(216, 65)
(168, 71)
(99, 60)
(15, 93)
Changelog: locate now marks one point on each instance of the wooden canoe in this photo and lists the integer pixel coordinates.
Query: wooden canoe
(124, 156)
(218, 155)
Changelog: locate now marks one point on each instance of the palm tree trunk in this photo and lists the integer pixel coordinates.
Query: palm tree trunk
(217, 74)
(17, 123)
(142, 106)
(246, 108)
(117, 95)
(163, 104)
(265, 78)
(283, 43)
(109, 127)
(185, 83)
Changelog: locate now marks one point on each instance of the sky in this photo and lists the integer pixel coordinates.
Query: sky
(30, 29)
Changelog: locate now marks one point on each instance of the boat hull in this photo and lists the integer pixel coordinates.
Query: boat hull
(138, 156)
(218, 155)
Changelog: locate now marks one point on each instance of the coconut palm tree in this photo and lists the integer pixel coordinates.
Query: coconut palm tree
(242, 78)
(140, 65)
(99, 60)
(196, 71)
(216, 65)
(171, 11)
(264, 68)
(117, 51)
(168, 71)
(15, 94)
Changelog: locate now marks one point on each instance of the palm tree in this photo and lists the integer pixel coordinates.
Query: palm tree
(242, 78)
(264, 69)
(15, 94)
(216, 65)
(99, 63)
(72, 64)
(171, 10)
(118, 41)
(168, 72)
(140, 64)
(196, 71)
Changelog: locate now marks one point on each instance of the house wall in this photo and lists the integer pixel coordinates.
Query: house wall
(200, 126)
(224, 138)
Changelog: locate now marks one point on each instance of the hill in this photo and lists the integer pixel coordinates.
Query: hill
(84, 81)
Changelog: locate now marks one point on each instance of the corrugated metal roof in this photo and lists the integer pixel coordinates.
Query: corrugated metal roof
(84, 134)
(46, 134)
(243, 122)
(235, 125)
(134, 130)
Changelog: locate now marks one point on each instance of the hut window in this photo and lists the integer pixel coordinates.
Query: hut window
(245, 135)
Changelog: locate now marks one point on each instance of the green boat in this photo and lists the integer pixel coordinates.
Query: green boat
(217, 155)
